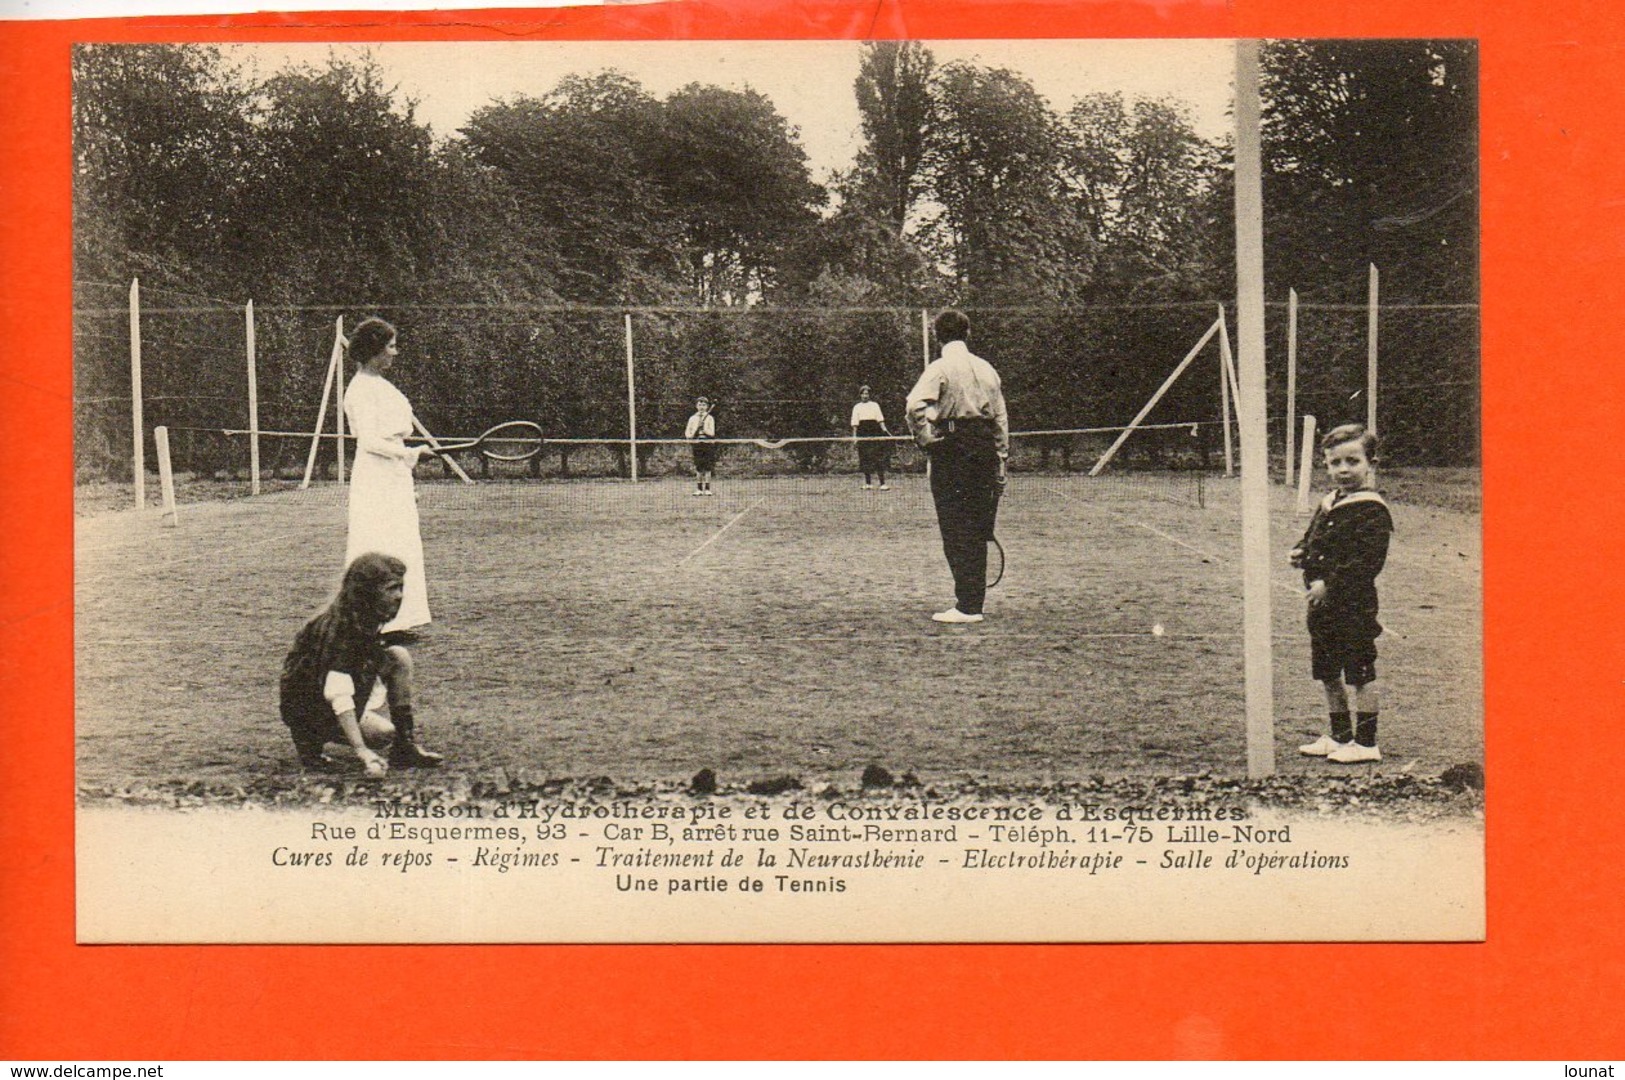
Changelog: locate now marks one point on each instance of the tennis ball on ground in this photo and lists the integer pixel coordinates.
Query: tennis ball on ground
(1157, 630)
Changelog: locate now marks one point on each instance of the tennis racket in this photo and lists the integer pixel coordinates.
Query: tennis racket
(995, 553)
(516, 440)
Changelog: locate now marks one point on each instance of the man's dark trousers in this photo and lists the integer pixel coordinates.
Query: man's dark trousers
(965, 488)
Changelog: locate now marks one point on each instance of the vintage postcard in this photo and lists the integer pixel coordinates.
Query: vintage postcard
(797, 491)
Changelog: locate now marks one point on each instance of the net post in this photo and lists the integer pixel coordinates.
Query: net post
(338, 398)
(166, 475)
(1306, 465)
(1227, 378)
(1291, 380)
(1224, 417)
(1253, 416)
(334, 360)
(925, 361)
(1161, 390)
(1371, 352)
(253, 402)
(139, 459)
(631, 402)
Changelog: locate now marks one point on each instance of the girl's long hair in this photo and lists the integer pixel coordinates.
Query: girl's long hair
(344, 636)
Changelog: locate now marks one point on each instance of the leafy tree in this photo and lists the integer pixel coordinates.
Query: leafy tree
(580, 162)
(1098, 159)
(732, 168)
(485, 248)
(159, 135)
(343, 177)
(859, 243)
(895, 104)
(1371, 154)
(1008, 225)
(1145, 178)
(158, 139)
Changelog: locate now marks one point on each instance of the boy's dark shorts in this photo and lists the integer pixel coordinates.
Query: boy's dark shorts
(1343, 652)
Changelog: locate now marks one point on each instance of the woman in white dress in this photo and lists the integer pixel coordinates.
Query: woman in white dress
(383, 501)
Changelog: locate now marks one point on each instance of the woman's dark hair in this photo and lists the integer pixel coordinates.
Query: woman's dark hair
(369, 339)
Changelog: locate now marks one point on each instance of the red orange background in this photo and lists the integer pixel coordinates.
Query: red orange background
(1547, 984)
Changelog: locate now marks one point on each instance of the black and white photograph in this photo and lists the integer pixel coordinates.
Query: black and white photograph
(943, 491)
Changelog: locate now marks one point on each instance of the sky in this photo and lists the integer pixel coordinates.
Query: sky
(811, 83)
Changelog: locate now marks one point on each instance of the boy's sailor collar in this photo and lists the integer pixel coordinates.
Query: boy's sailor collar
(1363, 495)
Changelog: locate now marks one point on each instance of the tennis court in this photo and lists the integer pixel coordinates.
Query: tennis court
(601, 627)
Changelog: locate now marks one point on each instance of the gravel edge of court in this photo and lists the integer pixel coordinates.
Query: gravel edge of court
(1397, 796)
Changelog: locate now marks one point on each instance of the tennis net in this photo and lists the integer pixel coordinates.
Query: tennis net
(1157, 462)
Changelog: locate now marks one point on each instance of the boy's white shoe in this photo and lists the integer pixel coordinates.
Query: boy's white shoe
(868, 487)
(885, 487)
(1353, 753)
(954, 615)
(1321, 747)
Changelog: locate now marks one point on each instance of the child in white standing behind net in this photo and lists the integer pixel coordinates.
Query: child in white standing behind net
(1341, 554)
(701, 430)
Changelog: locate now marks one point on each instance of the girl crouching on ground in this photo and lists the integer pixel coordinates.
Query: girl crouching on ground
(342, 684)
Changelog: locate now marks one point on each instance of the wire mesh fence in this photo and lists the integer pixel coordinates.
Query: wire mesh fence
(597, 379)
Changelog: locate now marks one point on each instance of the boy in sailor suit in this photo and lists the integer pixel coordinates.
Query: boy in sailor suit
(1341, 555)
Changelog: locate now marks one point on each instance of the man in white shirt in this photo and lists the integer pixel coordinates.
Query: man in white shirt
(956, 411)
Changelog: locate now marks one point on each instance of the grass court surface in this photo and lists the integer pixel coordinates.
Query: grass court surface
(632, 631)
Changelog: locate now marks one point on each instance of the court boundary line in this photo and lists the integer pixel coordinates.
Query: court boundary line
(718, 534)
(194, 557)
(1212, 557)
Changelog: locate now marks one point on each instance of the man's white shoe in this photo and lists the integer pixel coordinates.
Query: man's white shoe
(1321, 747)
(868, 487)
(1353, 753)
(954, 615)
(885, 487)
